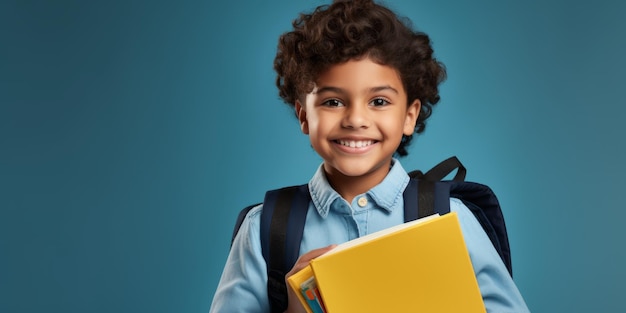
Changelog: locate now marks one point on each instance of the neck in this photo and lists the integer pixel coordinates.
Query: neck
(349, 187)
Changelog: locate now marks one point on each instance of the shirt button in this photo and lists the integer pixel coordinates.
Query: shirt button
(362, 201)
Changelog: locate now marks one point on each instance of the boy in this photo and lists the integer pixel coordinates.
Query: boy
(361, 83)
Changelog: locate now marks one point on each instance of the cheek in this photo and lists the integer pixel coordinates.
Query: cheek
(317, 134)
(396, 126)
(314, 127)
(319, 124)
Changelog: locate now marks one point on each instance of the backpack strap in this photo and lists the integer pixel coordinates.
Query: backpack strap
(441, 170)
(432, 196)
(424, 198)
(282, 224)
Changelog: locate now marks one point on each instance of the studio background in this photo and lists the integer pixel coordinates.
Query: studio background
(132, 133)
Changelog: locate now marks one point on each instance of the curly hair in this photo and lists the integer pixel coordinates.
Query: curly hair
(345, 30)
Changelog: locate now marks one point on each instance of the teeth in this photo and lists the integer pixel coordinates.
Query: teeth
(356, 143)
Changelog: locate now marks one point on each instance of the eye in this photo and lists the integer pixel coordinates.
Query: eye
(379, 102)
(332, 103)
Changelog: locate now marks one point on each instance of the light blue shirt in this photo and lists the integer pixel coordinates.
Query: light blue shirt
(332, 220)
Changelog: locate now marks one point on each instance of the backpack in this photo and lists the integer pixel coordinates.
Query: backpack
(284, 214)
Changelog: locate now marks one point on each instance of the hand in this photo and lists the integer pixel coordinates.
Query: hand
(294, 305)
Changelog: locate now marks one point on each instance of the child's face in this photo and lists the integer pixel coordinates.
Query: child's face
(355, 118)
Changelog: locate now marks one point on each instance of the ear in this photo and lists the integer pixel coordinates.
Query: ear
(412, 113)
(301, 113)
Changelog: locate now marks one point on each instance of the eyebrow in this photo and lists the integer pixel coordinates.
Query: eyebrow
(342, 91)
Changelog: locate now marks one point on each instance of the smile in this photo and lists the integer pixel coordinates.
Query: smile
(355, 143)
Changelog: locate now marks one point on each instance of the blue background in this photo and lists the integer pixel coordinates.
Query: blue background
(132, 133)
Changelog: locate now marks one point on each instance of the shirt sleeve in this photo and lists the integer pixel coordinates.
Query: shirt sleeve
(243, 285)
(499, 292)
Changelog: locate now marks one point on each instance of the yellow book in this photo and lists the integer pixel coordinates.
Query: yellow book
(419, 266)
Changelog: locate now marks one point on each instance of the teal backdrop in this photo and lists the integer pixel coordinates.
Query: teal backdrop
(132, 133)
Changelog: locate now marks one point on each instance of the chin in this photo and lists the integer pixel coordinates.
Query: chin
(355, 168)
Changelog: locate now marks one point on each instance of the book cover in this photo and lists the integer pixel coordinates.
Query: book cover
(416, 266)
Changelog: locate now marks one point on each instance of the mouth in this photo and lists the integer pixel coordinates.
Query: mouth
(356, 143)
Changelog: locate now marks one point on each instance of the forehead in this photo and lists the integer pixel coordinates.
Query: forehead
(359, 74)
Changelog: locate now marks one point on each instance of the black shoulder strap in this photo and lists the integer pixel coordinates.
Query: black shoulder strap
(424, 198)
(441, 170)
(282, 225)
(432, 196)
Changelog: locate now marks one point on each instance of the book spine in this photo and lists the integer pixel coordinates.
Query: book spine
(312, 295)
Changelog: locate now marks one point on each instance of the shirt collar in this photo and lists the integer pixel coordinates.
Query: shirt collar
(386, 195)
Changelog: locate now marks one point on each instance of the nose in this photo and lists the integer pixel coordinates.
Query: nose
(356, 116)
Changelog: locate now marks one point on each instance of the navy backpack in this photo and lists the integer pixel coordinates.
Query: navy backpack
(284, 213)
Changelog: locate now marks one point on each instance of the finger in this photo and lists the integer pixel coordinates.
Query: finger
(306, 258)
(315, 253)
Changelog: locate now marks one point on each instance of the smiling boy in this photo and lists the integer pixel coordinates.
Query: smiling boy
(362, 83)
(356, 116)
